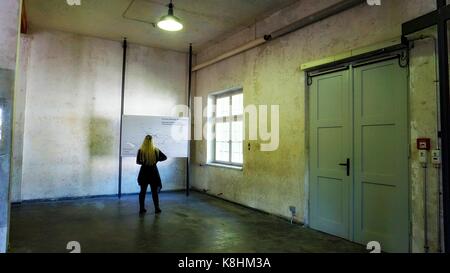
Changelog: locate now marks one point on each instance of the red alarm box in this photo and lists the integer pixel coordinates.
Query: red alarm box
(424, 144)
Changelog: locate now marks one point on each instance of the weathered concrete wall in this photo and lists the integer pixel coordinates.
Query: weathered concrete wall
(270, 75)
(423, 118)
(71, 117)
(19, 119)
(72, 113)
(155, 83)
(9, 24)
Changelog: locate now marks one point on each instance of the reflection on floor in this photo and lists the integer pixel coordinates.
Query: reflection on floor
(199, 223)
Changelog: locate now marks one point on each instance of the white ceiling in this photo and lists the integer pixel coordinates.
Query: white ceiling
(205, 21)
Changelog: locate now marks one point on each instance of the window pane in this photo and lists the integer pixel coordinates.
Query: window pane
(223, 107)
(223, 131)
(238, 104)
(237, 155)
(222, 151)
(237, 131)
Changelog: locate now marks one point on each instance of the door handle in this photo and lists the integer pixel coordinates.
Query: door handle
(346, 165)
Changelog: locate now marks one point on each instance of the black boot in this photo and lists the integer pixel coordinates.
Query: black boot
(142, 195)
(156, 200)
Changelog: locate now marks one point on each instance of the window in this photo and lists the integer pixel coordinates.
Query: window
(229, 127)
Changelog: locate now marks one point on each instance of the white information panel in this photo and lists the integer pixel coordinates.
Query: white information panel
(170, 135)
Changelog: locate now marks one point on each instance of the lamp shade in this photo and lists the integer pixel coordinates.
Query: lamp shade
(170, 22)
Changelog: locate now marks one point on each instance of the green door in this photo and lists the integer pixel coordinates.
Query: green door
(330, 142)
(381, 156)
(359, 116)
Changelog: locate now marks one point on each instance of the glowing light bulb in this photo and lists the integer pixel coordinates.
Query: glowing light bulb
(170, 22)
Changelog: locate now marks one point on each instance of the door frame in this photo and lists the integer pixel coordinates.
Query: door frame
(399, 52)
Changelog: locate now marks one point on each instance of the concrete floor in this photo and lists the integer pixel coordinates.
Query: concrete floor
(199, 223)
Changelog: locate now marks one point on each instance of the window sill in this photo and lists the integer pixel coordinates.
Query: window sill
(225, 166)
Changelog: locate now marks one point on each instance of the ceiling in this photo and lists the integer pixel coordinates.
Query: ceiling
(205, 21)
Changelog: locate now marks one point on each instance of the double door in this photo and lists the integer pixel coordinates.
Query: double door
(359, 182)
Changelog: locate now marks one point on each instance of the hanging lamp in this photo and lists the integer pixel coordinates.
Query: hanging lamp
(170, 22)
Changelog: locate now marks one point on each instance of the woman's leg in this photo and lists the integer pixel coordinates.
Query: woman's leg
(155, 198)
(142, 195)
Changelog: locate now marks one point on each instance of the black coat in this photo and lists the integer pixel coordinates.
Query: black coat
(150, 174)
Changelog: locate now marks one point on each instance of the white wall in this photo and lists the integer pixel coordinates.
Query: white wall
(155, 83)
(9, 23)
(72, 113)
(72, 116)
(19, 118)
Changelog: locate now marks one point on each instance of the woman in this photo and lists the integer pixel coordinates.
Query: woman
(148, 156)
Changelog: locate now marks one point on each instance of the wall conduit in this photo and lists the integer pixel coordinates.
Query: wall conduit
(304, 22)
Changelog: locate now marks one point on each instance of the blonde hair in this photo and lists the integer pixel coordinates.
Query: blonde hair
(149, 153)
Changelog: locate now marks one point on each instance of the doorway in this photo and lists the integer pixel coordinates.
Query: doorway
(359, 184)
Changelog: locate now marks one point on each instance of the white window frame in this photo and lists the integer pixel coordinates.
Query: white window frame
(230, 119)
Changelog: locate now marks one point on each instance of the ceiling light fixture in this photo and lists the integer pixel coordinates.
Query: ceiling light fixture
(170, 22)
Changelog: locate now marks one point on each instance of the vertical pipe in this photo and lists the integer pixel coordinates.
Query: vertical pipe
(122, 107)
(438, 146)
(189, 107)
(445, 121)
(425, 209)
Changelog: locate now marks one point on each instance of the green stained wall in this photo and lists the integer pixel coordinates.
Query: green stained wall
(269, 74)
(423, 119)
